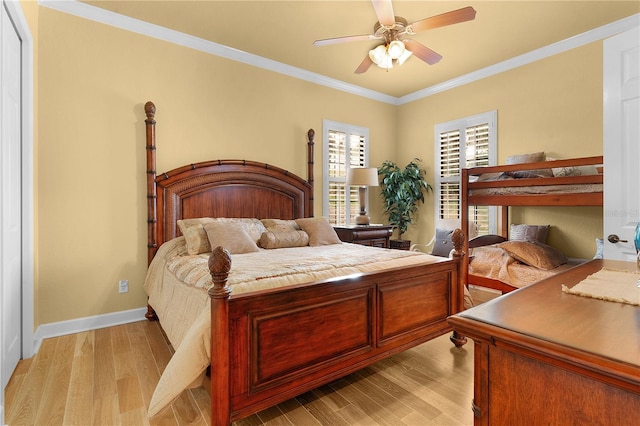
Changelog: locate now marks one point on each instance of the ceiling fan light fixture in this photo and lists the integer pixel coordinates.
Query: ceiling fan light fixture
(385, 55)
(396, 49)
(405, 55)
(378, 54)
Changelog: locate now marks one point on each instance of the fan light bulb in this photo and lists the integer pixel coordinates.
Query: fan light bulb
(396, 49)
(377, 55)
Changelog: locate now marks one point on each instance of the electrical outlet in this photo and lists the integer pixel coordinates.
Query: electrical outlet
(123, 286)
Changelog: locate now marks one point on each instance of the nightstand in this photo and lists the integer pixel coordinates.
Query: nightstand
(367, 235)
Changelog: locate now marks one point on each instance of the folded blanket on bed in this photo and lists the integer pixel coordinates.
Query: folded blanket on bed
(177, 286)
(496, 263)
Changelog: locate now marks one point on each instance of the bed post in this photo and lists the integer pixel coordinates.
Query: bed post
(152, 219)
(310, 136)
(219, 266)
(152, 222)
(459, 240)
(464, 223)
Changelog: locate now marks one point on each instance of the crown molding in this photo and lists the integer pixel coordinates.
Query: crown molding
(86, 11)
(93, 13)
(587, 37)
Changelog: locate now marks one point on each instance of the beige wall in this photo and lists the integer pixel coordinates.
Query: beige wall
(553, 105)
(92, 201)
(31, 12)
(94, 80)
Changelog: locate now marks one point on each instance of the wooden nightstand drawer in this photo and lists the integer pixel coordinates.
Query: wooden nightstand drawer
(368, 235)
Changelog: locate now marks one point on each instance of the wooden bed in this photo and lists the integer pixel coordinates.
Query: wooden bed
(573, 190)
(368, 311)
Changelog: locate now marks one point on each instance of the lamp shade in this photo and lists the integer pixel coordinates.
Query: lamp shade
(362, 176)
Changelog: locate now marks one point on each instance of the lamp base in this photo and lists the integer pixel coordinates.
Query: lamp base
(362, 219)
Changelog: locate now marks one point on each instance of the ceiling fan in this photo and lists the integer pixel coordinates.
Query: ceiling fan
(392, 31)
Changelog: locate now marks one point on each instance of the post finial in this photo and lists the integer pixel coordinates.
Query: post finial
(150, 110)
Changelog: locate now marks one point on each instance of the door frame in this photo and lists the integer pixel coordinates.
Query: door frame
(14, 9)
(618, 218)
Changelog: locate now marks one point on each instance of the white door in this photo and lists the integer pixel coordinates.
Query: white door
(621, 144)
(10, 196)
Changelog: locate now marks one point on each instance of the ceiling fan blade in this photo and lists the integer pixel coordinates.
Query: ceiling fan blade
(364, 65)
(384, 12)
(422, 52)
(455, 16)
(335, 40)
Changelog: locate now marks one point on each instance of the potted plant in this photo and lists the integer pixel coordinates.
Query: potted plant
(401, 192)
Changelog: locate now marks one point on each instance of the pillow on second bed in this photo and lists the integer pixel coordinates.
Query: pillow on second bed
(534, 254)
(529, 233)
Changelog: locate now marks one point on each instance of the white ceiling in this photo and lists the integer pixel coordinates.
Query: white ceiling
(284, 31)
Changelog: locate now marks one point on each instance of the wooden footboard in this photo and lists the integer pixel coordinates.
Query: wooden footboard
(270, 346)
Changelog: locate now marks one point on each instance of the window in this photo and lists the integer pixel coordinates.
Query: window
(344, 146)
(468, 142)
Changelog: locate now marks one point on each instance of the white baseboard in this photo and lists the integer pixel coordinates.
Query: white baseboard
(78, 325)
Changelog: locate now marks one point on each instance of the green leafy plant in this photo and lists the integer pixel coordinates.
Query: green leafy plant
(402, 189)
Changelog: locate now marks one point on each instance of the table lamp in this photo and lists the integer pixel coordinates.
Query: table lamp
(362, 177)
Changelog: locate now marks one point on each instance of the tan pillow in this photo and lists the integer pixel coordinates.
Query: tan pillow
(528, 158)
(529, 233)
(195, 235)
(284, 239)
(196, 238)
(534, 254)
(320, 231)
(231, 235)
(280, 225)
(534, 157)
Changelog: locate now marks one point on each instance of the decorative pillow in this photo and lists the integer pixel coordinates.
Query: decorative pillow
(231, 235)
(254, 227)
(280, 225)
(319, 230)
(534, 254)
(196, 238)
(442, 245)
(534, 157)
(284, 239)
(528, 158)
(529, 233)
(195, 235)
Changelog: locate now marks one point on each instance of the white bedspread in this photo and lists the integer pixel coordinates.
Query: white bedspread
(177, 287)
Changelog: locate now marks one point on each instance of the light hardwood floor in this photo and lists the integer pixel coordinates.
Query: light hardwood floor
(107, 377)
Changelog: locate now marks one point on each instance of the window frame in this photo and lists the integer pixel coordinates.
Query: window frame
(351, 195)
(461, 125)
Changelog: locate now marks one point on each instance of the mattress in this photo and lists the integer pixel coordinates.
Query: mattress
(541, 189)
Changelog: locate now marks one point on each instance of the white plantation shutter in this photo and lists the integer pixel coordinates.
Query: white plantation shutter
(449, 182)
(469, 142)
(476, 155)
(344, 146)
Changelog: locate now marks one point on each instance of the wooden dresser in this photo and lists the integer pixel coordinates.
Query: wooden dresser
(368, 235)
(546, 357)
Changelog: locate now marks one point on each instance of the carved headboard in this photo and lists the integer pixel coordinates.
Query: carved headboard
(220, 188)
